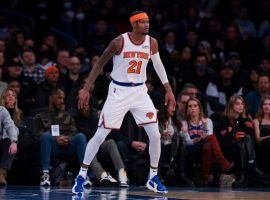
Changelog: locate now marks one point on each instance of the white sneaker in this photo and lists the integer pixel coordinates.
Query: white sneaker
(107, 180)
(87, 182)
(123, 179)
(45, 179)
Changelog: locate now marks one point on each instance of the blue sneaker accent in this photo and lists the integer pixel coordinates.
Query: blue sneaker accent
(78, 185)
(155, 185)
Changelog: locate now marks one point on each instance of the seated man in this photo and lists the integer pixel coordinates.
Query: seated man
(58, 134)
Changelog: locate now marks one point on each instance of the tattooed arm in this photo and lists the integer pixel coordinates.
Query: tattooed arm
(113, 48)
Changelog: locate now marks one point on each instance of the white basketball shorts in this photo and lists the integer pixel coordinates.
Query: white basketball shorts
(122, 99)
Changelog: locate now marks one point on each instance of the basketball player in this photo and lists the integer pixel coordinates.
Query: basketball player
(128, 92)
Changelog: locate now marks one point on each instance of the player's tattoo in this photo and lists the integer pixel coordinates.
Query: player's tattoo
(108, 53)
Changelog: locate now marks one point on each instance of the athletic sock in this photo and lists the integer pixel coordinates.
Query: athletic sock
(83, 172)
(153, 172)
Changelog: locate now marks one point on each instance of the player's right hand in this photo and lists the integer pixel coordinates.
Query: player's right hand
(83, 98)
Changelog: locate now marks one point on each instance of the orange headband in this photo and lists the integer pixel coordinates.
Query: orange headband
(50, 69)
(137, 17)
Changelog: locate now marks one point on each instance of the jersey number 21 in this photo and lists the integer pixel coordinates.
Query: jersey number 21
(134, 67)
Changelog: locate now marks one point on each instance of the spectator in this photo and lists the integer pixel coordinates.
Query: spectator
(3, 85)
(235, 132)
(8, 142)
(10, 101)
(28, 87)
(251, 83)
(191, 90)
(45, 57)
(245, 25)
(219, 91)
(71, 79)
(172, 146)
(197, 132)
(100, 37)
(30, 68)
(81, 53)
(181, 101)
(262, 131)
(201, 75)
(253, 98)
(185, 65)
(51, 82)
(192, 40)
(232, 39)
(62, 62)
(264, 65)
(58, 134)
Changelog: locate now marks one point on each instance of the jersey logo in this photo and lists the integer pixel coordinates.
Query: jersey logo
(145, 47)
(136, 54)
(150, 115)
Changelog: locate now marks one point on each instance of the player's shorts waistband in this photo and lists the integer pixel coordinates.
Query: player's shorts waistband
(126, 84)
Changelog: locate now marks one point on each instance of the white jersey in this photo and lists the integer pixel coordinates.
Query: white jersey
(130, 65)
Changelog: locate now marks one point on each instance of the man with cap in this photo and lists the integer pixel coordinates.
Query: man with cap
(51, 81)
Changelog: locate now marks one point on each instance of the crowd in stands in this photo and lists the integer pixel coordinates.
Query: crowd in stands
(217, 57)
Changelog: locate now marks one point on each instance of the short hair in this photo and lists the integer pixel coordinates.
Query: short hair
(28, 50)
(201, 54)
(180, 94)
(189, 85)
(263, 75)
(136, 12)
(56, 91)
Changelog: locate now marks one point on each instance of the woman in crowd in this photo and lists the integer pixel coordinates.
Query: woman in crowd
(235, 132)
(10, 101)
(197, 132)
(262, 131)
(9, 132)
(172, 146)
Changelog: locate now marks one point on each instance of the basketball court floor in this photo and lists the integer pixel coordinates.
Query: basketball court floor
(56, 193)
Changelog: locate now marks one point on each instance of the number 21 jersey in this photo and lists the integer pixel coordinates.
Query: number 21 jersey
(130, 65)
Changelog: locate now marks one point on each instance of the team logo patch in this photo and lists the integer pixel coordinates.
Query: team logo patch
(150, 115)
(145, 47)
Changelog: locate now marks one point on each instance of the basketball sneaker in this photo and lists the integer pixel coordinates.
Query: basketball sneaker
(45, 179)
(87, 183)
(155, 185)
(78, 185)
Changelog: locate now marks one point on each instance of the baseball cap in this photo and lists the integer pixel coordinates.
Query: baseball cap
(205, 44)
(233, 54)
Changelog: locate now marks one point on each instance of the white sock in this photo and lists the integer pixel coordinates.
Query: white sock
(153, 172)
(83, 172)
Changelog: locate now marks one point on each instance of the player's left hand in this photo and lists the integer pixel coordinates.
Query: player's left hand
(169, 97)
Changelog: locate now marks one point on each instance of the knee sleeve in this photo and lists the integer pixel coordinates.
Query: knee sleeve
(154, 143)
